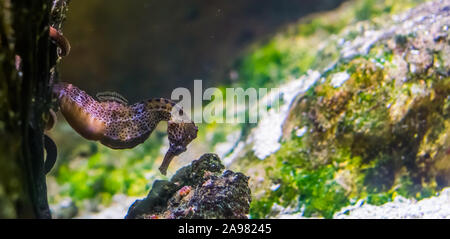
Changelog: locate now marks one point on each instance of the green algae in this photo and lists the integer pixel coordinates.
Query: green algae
(382, 133)
(353, 132)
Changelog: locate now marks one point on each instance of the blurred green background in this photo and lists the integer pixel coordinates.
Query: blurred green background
(144, 49)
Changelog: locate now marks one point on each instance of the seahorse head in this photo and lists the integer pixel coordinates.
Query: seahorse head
(180, 134)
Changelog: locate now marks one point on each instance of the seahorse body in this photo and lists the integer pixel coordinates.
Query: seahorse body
(121, 126)
(115, 123)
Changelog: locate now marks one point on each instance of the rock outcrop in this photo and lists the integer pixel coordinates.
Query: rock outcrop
(374, 123)
(200, 190)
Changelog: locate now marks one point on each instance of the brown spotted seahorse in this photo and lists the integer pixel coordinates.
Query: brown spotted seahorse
(120, 126)
(111, 121)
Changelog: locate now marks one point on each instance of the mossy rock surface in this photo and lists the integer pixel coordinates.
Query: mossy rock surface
(201, 190)
(375, 125)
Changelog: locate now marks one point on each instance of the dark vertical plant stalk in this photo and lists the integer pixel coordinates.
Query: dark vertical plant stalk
(25, 100)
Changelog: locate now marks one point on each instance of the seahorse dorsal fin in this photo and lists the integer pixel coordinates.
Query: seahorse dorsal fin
(111, 96)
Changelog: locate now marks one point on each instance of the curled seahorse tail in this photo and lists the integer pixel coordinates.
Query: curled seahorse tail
(52, 153)
(60, 40)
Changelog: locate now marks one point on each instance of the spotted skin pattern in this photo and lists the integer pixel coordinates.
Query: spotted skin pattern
(120, 126)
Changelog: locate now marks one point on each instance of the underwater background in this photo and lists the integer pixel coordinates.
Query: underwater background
(364, 111)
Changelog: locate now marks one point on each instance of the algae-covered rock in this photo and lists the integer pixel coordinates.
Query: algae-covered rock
(437, 207)
(375, 124)
(199, 190)
(392, 110)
